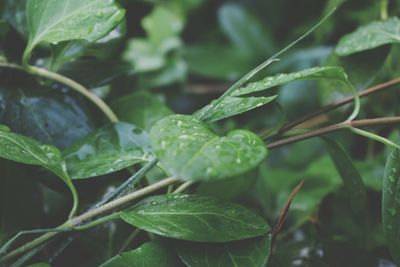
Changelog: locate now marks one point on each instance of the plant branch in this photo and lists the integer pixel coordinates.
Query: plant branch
(347, 100)
(89, 215)
(68, 82)
(335, 127)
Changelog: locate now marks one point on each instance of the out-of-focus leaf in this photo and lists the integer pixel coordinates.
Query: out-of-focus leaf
(18, 192)
(14, 13)
(229, 188)
(195, 218)
(252, 252)
(46, 114)
(109, 149)
(141, 108)
(217, 61)
(350, 176)
(189, 150)
(149, 254)
(367, 37)
(244, 30)
(22, 149)
(391, 204)
(39, 265)
(57, 21)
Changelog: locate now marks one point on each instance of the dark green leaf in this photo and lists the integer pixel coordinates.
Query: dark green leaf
(350, 176)
(14, 13)
(246, 253)
(109, 149)
(391, 204)
(141, 108)
(57, 21)
(189, 150)
(149, 254)
(367, 37)
(39, 265)
(43, 113)
(22, 149)
(195, 218)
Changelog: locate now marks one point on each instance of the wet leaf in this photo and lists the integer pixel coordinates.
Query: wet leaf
(149, 254)
(22, 149)
(56, 21)
(189, 150)
(367, 37)
(391, 204)
(195, 218)
(252, 252)
(109, 149)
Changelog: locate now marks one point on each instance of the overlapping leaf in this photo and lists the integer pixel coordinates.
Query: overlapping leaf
(189, 150)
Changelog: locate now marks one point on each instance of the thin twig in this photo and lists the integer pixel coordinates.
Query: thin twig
(347, 100)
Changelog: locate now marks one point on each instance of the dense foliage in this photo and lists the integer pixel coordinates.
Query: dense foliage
(139, 133)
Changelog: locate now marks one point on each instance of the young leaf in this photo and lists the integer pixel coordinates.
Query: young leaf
(318, 73)
(22, 149)
(373, 35)
(141, 108)
(149, 254)
(109, 149)
(189, 150)
(195, 218)
(56, 21)
(350, 176)
(391, 204)
(252, 252)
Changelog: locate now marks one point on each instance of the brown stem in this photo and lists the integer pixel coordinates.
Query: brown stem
(347, 100)
(335, 127)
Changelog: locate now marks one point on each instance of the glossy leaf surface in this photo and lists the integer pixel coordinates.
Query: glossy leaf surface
(252, 252)
(149, 254)
(195, 218)
(56, 21)
(109, 149)
(367, 37)
(391, 204)
(189, 150)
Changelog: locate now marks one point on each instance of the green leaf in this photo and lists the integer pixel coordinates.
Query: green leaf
(367, 37)
(22, 149)
(189, 150)
(252, 252)
(47, 115)
(57, 21)
(195, 218)
(109, 149)
(141, 108)
(14, 13)
(149, 254)
(244, 30)
(391, 204)
(232, 106)
(350, 176)
(39, 265)
(318, 73)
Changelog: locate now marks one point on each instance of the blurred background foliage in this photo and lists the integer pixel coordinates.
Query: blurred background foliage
(178, 55)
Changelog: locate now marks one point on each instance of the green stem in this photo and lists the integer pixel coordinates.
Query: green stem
(68, 82)
(384, 9)
(374, 137)
(77, 221)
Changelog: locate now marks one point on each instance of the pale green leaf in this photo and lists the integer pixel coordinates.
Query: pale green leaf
(54, 21)
(150, 254)
(391, 204)
(252, 252)
(195, 218)
(109, 149)
(189, 150)
(367, 37)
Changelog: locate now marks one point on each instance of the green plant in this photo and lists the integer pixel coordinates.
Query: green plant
(218, 186)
